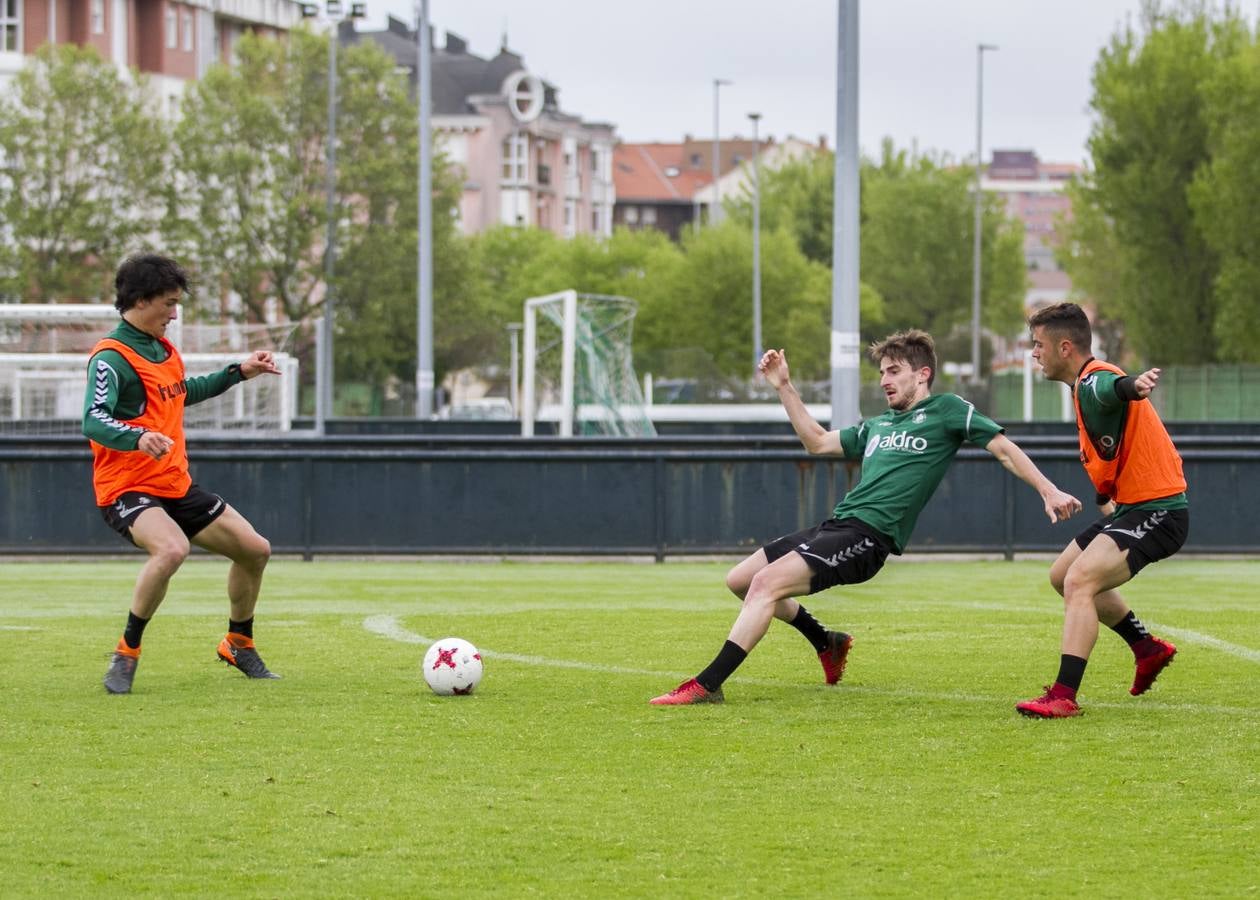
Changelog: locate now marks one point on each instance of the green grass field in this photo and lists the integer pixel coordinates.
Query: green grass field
(914, 777)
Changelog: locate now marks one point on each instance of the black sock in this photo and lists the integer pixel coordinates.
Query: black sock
(245, 628)
(811, 628)
(1071, 671)
(134, 630)
(726, 662)
(1131, 629)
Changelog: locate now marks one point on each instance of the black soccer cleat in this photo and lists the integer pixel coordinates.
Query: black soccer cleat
(238, 651)
(122, 669)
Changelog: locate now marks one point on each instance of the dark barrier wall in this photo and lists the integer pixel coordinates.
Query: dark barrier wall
(666, 496)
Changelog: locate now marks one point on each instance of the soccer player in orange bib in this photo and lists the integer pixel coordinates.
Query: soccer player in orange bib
(133, 416)
(1136, 472)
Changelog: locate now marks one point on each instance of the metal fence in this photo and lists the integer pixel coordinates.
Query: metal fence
(659, 497)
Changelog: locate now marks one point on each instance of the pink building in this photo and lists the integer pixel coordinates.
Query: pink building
(1034, 194)
(525, 161)
(170, 41)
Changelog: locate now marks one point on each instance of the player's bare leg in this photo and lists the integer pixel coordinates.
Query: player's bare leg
(157, 534)
(232, 536)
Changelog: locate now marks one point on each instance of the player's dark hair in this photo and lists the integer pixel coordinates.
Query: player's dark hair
(144, 276)
(1064, 320)
(913, 347)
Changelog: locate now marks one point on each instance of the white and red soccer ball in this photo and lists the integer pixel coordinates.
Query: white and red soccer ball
(452, 666)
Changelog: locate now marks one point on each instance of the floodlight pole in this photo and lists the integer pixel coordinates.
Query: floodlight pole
(845, 376)
(324, 376)
(975, 248)
(424, 249)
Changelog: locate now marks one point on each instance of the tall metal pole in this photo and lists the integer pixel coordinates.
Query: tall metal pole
(845, 358)
(324, 375)
(715, 205)
(514, 389)
(975, 249)
(756, 241)
(424, 252)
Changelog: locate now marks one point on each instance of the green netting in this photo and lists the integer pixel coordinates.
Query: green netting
(608, 398)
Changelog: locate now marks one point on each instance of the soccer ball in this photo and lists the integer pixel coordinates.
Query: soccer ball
(452, 666)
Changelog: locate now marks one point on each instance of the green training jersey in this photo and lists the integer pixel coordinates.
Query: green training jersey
(115, 392)
(1104, 414)
(904, 457)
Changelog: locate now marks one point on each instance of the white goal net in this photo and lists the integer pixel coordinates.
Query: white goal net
(43, 369)
(578, 366)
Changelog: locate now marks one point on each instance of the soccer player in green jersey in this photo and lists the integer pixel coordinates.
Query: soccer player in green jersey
(905, 453)
(1137, 473)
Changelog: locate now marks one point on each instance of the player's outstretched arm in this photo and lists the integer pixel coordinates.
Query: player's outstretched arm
(816, 439)
(1058, 504)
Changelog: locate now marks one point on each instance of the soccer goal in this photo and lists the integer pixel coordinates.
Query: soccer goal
(578, 368)
(44, 351)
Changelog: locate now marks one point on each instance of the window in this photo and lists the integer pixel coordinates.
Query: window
(98, 16)
(515, 153)
(172, 30)
(188, 32)
(649, 215)
(632, 215)
(10, 27)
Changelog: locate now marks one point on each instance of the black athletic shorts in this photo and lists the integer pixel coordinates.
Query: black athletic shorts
(839, 551)
(1148, 534)
(191, 512)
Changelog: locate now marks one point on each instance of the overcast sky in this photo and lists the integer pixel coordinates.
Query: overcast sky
(648, 66)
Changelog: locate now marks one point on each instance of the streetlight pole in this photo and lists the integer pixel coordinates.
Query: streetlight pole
(975, 250)
(756, 240)
(324, 343)
(715, 205)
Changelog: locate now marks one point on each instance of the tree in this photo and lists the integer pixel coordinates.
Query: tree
(84, 155)
(248, 207)
(918, 222)
(1222, 197)
(251, 203)
(1149, 143)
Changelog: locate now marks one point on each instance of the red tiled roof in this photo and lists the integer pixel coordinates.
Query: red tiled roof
(643, 172)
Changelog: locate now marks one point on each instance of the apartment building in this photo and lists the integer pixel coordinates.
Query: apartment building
(525, 161)
(171, 41)
(1034, 194)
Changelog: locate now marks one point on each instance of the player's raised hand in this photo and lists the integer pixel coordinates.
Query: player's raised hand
(1145, 383)
(1061, 505)
(774, 367)
(259, 361)
(155, 444)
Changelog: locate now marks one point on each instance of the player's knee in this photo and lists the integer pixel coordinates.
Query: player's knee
(257, 552)
(1056, 581)
(763, 591)
(1079, 587)
(737, 582)
(169, 552)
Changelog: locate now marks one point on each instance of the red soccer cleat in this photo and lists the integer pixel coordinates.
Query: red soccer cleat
(833, 659)
(1053, 704)
(690, 691)
(1156, 654)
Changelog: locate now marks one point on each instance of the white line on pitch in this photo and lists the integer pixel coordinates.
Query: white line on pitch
(389, 627)
(1196, 637)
